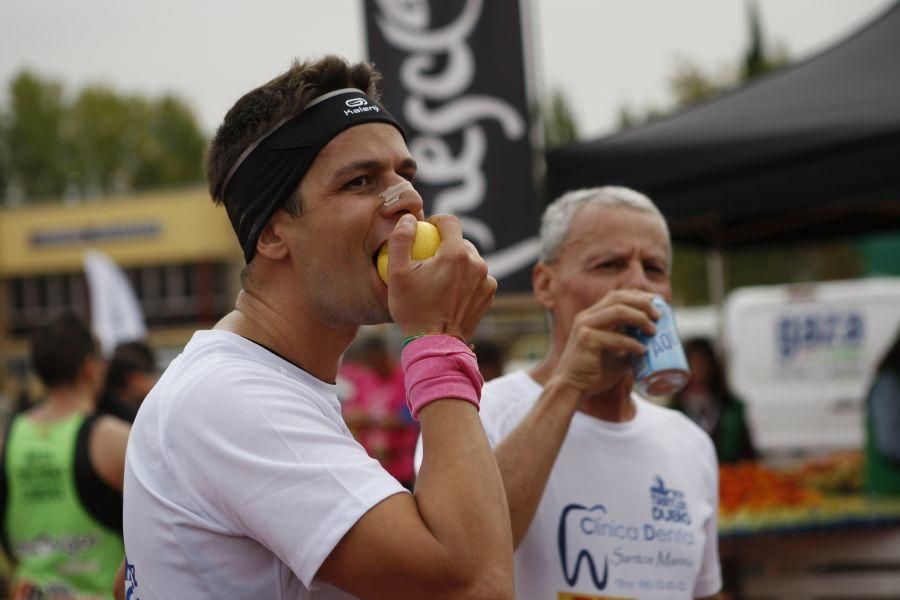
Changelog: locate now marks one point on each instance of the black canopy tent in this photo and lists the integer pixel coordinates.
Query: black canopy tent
(810, 151)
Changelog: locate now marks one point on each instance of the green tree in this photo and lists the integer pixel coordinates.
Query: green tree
(760, 57)
(690, 83)
(792, 263)
(99, 143)
(560, 126)
(171, 150)
(34, 134)
(4, 158)
(99, 126)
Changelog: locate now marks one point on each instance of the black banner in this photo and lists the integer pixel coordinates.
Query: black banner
(454, 75)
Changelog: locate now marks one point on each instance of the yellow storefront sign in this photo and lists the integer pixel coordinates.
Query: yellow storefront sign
(154, 228)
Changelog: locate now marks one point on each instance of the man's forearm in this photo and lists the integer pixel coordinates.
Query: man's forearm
(527, 455)
(459, 491)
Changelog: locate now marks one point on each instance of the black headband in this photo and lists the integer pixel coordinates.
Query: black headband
(265, 176)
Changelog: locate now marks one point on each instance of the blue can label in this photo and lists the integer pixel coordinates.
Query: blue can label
(663, 368)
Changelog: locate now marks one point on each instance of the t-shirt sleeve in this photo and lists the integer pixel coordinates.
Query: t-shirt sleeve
(709, 579)
(274, 462)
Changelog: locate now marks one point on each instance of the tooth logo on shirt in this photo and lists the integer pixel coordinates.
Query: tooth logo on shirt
(577, 527)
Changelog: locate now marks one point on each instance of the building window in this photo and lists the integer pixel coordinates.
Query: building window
(173, 294)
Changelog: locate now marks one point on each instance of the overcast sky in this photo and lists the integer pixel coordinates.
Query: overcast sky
(602, 53)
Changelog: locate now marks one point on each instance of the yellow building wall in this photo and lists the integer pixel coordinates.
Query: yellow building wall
(176, 226)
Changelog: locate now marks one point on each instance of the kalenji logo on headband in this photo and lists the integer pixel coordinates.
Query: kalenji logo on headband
(359, 105)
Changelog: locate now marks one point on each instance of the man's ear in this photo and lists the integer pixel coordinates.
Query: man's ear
(544, 284)
(271, 242)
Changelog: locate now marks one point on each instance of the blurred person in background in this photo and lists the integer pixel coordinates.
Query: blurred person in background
(709, 404)
(882, 453)
(6, 403)
(375, 409)
(609, 494)
(131, 374)
(490, 358)
(62, 474)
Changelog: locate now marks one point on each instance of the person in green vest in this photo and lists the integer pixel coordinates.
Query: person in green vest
(707, 401)
(63, 466)
(882, 456)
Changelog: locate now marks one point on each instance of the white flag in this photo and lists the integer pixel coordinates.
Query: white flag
(116, 315)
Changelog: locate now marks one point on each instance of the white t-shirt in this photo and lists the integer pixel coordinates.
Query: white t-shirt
(240, 478)
(629, 510)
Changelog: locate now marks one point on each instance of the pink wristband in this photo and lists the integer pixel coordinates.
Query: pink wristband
(437, 367)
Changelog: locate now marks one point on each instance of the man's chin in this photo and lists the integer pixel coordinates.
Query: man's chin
(377, 316)
(623, 385)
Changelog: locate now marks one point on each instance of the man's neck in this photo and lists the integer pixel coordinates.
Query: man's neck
(64, 401)
(614, 405)
(312, 345)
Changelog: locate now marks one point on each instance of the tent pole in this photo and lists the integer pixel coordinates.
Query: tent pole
(715, 275)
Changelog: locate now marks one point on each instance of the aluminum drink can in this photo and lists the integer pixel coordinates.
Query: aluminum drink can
(663, 369)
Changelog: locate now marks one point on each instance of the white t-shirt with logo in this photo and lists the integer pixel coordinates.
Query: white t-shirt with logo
(240, 478)
(629, 510)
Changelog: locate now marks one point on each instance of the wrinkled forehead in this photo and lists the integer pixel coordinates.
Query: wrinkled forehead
(600, 225)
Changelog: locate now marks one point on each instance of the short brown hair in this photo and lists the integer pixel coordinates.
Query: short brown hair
(258, 111)
(59, 349)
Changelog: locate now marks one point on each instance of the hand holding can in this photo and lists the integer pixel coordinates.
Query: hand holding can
(663, 369)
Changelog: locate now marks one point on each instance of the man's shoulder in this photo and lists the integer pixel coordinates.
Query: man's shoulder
(219, 359)
(221, 378)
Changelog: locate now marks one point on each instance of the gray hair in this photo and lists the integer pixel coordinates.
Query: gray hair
(557, 218)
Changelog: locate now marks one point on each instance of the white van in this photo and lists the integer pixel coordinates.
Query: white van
(802, 358)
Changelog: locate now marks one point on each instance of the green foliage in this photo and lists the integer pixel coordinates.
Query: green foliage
(629, 117)
(880, 253)
(560, 126)
(760, 58)
(4, 157)
(690, 83)
(173, 138)
(99, 142)
(764, 265)
(689, 276)
(792, 263)
(755, 62)
(34, 136)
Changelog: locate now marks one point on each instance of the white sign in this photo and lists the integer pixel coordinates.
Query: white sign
(802, 358)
